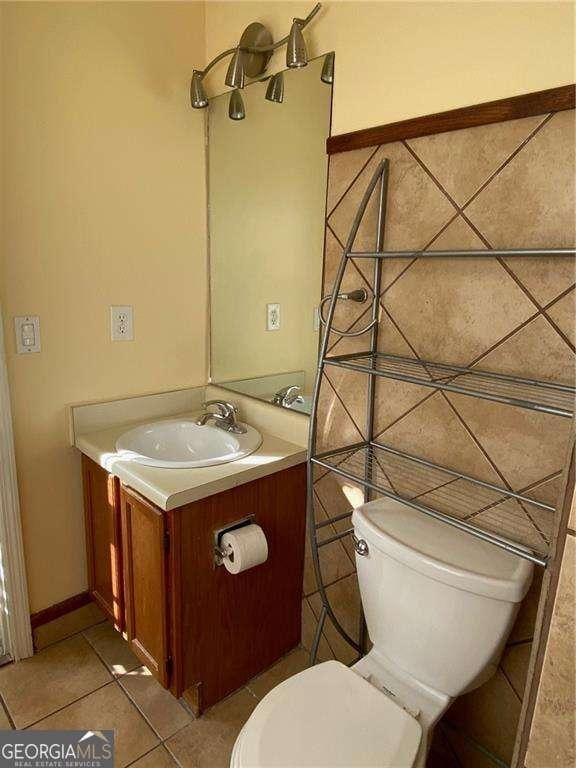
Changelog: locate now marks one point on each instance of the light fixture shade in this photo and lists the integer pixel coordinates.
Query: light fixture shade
(296, 55)
(236, 106)
(275, 90)
(235, 74)
(198, 98)
(327, 75)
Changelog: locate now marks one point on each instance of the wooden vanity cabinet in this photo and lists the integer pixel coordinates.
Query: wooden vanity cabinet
(103, 540)
(201, 631)
(146, 583)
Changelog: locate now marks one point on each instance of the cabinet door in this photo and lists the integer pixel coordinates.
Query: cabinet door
(145, 583)
(103, 539)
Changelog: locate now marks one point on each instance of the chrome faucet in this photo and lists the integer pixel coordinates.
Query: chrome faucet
(225, 417)
(288, 396)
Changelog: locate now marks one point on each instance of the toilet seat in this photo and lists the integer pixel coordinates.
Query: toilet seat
(327, 716)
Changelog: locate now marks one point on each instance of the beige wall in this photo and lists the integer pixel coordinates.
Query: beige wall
(396, 60)
(104, 204)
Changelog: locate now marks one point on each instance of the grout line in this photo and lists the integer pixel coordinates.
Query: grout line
(504, 339)
(350, 261)
(145, 754)
(326, 587)
(516, 643)
(558, 298)
(101, 658)
(430, 175)
(140, 711)
(505, 676)
(7, 712)
(354, 180)
(507, 484)
(69, 704)
(501, 167)
(449, 746)
(536, 303)
(407, 413)
(353, 420)
(69, 637)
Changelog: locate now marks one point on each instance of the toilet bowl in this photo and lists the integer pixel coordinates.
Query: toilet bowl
(439, 605)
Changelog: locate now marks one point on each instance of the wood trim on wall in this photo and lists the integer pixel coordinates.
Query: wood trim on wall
(59, 609)
(527, 105)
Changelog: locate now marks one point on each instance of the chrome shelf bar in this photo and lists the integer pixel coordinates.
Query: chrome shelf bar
(546, 397)
(497, 515)
(501, 252)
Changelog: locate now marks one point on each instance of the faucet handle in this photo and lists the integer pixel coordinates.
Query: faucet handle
(225, 409)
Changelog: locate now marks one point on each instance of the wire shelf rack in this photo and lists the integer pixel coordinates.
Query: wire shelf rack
(547, 397)
(488, 511)
(498, 515)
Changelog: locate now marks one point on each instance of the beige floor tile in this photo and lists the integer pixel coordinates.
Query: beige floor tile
(67, 625)
(208, 741)
(112, 649)
(164, 713)
(515, 662)
(467, 752)
(158, 758)
(107, 709)
(5, 724)
(290, 665)
(51, 679)
(489, 715)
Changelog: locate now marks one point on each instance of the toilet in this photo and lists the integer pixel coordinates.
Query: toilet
(439, 605)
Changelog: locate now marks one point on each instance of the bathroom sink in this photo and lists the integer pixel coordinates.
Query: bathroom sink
(181, 443)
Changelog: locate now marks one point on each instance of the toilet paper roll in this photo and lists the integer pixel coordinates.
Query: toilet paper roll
(247, 547)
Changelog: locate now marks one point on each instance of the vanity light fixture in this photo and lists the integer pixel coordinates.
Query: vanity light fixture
(296, 53)
(198, 97)
(327, 75)
(236, 109)
(235, 75)
(250, 59)
(275, 90)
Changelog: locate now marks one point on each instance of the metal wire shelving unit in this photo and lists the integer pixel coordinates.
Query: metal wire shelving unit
(499, 515)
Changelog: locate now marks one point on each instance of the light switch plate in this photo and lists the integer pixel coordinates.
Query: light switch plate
(27, 329)
(272, 317)
(122, 322)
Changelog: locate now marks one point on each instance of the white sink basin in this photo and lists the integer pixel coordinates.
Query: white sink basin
(181, 443)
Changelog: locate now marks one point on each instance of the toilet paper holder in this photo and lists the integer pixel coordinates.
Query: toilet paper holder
(221, 554)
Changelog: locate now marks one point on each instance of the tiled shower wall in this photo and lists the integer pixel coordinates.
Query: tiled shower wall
(506, 185)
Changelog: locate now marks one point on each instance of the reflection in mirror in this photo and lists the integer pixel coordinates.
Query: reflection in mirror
(267, 192)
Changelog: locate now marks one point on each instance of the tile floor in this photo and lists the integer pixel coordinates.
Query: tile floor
(84, 676)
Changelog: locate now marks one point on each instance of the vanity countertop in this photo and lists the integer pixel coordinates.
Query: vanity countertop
(171, 488)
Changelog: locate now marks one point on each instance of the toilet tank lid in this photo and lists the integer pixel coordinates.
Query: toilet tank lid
(441, 551)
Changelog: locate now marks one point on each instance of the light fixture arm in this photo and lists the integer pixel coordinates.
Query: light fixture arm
(260, 48)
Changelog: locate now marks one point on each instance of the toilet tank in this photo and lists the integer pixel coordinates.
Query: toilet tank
(439, 603)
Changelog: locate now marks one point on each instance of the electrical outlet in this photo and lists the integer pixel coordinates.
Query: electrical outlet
(272, 317)
(316, 319)
(122, 323)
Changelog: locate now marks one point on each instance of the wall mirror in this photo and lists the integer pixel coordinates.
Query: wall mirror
(267, 192)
